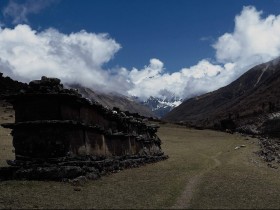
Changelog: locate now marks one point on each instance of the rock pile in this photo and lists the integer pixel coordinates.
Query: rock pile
(58, 135)
(270, 149)
(91, 167)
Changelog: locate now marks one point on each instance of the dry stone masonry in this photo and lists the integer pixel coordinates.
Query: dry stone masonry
(59, 135)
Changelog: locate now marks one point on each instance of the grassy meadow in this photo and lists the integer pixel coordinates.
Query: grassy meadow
(204, 171)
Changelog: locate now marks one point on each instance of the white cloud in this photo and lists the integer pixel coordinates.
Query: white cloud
(255, 40)
(19, 11)
(74, 58)
(26, 54)
(187, 82)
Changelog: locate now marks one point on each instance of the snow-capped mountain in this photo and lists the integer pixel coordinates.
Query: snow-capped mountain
(163, 104)
(155, 107)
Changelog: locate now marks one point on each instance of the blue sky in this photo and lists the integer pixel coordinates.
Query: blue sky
(177, 33)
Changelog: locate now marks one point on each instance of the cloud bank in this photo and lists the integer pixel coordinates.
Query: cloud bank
(26, 54)
(75, 58)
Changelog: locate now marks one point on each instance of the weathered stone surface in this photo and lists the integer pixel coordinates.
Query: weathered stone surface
(70, 169)
(7, 173)
(60, 135)
(269, 149)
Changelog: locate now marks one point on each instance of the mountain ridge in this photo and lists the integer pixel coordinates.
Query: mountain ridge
(112, 100)
(254, 94)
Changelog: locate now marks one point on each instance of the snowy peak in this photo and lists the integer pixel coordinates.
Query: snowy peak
(162, 105)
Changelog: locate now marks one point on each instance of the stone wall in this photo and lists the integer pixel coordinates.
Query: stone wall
(53, 123)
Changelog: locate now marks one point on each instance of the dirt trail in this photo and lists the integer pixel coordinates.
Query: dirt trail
(184, 199)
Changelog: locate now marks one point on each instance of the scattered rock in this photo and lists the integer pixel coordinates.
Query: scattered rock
(76, 171)
(93, 176)
(269, 149)
(272, 166)
(241, 146)
(77, 189)
(79, 181)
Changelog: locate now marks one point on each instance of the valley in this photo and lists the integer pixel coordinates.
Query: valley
(204, 170)
(139, 104)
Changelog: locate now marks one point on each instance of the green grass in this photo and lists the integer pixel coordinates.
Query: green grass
(6, 147)
(237, 181)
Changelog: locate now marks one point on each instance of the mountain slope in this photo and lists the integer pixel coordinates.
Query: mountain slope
(111, 100)
(254, 95)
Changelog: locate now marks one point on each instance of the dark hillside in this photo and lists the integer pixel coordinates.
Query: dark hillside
(254, 95)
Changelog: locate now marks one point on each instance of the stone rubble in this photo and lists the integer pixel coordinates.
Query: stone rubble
(91, 168)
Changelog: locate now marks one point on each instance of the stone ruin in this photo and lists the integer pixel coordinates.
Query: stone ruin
(60, 135)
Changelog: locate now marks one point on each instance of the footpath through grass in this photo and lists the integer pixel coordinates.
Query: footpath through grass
(227, 178)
